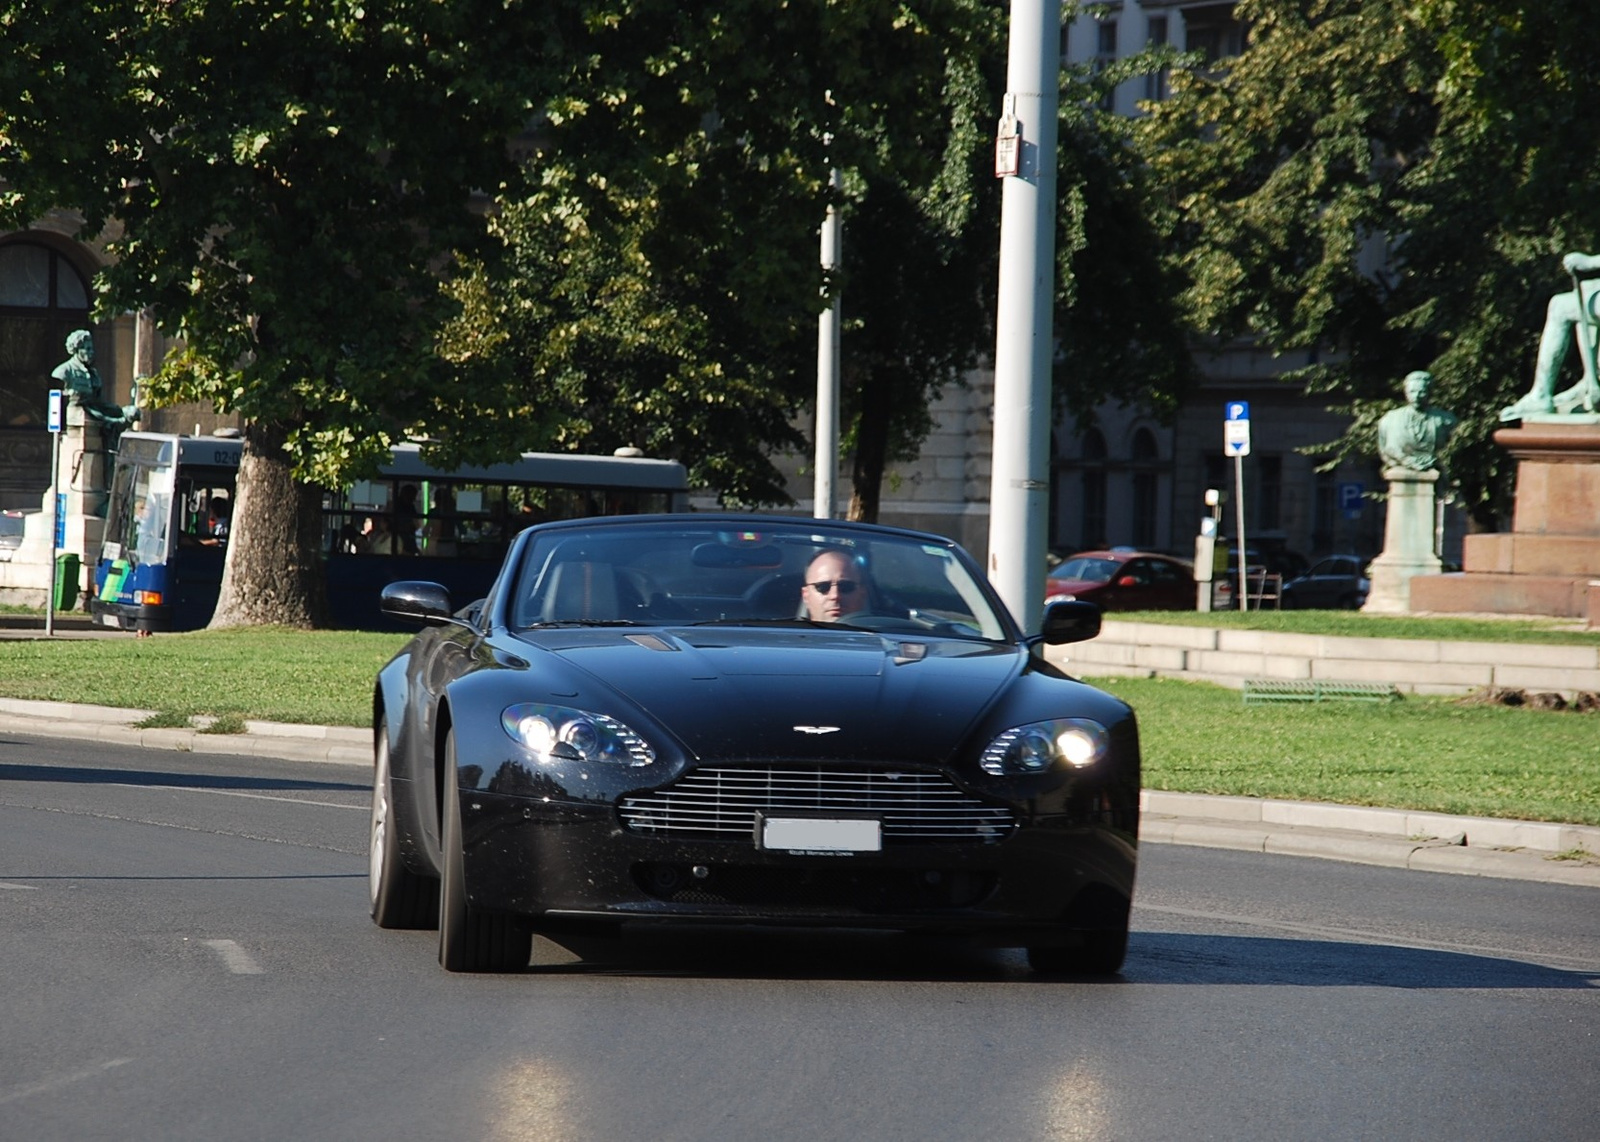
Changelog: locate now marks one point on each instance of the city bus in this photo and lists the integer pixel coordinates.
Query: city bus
(169, 512)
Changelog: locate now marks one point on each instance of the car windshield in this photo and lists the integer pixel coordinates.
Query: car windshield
(1086, 569)
(671, 573)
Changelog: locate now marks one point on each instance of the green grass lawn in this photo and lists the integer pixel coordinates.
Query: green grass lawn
(1421, 753)
(270, 674)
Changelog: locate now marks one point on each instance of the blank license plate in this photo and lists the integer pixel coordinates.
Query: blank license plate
(812, 834)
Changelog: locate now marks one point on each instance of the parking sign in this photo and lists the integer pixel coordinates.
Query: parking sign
(1236, 428)
(1351, 499)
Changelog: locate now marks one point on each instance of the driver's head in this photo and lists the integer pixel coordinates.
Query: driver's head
(833, 588)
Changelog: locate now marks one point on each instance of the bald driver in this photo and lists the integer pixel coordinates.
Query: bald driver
(833, 588)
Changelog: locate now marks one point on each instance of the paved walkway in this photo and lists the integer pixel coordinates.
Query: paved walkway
(1433, 842)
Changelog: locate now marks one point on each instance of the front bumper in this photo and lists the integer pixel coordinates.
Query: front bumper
(562, 864)
(128, 616)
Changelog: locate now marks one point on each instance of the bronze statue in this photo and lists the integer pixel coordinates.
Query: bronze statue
(1566, 312)
(81, 384)
(1413, 435)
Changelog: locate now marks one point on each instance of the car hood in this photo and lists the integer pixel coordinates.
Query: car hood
(769, 694)
(1073, 586)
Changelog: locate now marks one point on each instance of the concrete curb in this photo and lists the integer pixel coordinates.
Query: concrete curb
(1395, 838)
(287, 741)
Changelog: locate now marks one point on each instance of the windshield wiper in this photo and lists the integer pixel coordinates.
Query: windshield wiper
(795, 622)
(553, 623)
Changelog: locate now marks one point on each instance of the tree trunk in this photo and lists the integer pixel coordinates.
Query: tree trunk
(872, 448)
(273, 573)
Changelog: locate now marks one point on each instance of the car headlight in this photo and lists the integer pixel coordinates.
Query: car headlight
(1075, 743)
(561, 733)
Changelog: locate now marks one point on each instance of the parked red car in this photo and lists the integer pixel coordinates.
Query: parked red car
(1124, 581)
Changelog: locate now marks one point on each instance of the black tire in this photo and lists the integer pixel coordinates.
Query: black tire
(471, 939)
(1100, 953)
(400, 898)
(1349, 603)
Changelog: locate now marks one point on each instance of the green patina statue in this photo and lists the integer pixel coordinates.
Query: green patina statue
(1412, 435)
(1567, 312)
(81, 383)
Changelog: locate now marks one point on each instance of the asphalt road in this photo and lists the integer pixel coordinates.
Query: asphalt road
(187, 956)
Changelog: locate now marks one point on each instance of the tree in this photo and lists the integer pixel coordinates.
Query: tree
(1391, 184)
(284, 184)
(658, 283)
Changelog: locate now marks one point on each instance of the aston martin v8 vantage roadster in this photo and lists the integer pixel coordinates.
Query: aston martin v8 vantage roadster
(735, 720)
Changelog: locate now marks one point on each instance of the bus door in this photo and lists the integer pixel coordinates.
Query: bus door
(131, 575)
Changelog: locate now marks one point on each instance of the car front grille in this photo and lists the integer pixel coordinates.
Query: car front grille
(862, 889)
(916, 807)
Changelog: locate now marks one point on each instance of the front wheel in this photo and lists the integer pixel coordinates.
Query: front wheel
(399, 898)
(471, 939)
(1099, 953)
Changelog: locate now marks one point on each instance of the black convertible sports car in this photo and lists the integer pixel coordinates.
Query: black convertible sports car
(736, 720)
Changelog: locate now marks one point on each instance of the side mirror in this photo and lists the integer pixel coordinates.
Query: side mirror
(1127, 581)
(1070, 620)
(416, 601)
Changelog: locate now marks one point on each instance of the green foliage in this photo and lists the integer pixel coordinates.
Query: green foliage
(280, 182)
(1122, 333)
(658, 280)
(1391, 184)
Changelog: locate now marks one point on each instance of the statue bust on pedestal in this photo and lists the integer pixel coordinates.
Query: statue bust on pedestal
(1409, 441)
(1412, 435)
(85, 394)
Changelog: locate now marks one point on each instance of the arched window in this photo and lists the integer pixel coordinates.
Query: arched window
(43, 297)
(1094, 490)
(1145, 477)
(35, 277)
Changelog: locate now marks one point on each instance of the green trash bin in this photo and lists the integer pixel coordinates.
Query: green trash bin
(66, 580)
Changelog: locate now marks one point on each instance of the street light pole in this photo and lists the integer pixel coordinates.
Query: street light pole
(827, 442)
(1025, 157)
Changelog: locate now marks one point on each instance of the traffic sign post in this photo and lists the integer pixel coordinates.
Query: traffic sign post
(54, 418)
(1236, 443)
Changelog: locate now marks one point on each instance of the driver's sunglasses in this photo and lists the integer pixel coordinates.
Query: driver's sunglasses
(826, 586)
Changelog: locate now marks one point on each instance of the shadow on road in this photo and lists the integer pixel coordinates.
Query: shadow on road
(1153, 958)
(81, 775)
(1172, 957)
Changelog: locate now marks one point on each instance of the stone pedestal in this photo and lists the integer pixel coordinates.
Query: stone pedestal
(1549, 563)
(82, 469)
(1407, 541)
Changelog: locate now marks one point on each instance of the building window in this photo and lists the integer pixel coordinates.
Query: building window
(1094, 490)
(1325, 510)
(43, 297)
(1104, 54)
(1213, 32)
(1156, 83)
(1269, 493)
(1145, 477)
(36, 277)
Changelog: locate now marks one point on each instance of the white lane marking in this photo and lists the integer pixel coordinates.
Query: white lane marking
(43, 1086)
(239, 961)
(1364, 936)
(247, 796)
(19, 887)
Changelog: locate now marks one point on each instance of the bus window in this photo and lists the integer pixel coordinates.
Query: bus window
(205, 508)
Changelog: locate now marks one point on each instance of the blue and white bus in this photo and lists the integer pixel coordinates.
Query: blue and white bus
(167, 522)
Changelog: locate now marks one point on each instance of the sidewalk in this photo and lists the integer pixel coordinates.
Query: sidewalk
(1431, 842)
